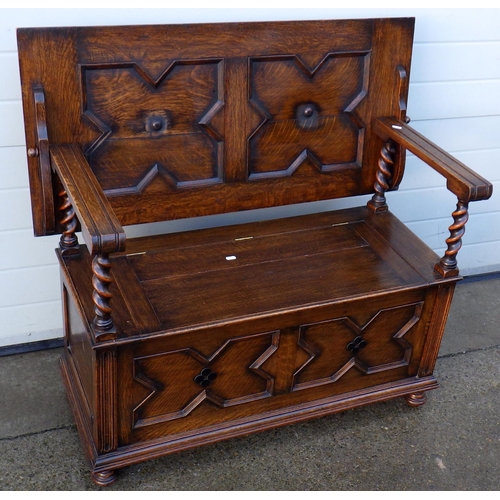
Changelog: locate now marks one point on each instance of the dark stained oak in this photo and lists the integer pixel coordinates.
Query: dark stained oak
(466, 184)
(180, 340)
(102, 231)
(188, 120)
(417, 399)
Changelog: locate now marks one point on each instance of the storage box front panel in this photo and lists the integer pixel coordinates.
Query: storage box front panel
(225, 376)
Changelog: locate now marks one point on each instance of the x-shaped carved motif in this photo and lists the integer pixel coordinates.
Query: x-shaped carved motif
(359, 342)
(310, 108)
(123, 101)
(207, 374)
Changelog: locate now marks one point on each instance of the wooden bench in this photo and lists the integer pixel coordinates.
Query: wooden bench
(178, 340)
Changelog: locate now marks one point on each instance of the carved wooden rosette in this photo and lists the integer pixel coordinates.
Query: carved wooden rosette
(68, 242)
(447, 266)
(101, 296)
(378, 202)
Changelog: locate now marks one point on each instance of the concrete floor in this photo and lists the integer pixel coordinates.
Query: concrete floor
(451, 443)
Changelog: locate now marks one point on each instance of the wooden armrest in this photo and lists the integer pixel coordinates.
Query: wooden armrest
(101, 229)
(461, 180)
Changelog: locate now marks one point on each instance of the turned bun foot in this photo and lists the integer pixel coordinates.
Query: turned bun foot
(104, 478)
(416, 399)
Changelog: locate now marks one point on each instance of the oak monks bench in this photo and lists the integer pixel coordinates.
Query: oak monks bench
(184, 339)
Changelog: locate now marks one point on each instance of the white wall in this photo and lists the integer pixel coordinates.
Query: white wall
(454, 100)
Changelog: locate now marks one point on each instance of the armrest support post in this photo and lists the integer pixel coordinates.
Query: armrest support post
(68, 242)
(378, 202)
(104, 328)
(447, 266)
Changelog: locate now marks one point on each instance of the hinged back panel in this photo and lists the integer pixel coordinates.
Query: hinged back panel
(189, 120)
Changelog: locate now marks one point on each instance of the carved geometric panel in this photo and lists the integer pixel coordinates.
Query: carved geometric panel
(170, 385)
(335, 347)
(166, 131)
(307, 115)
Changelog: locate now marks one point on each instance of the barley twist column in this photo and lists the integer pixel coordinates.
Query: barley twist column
(384, 173)
(69, 241)
(101, 281)
(447, 266)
